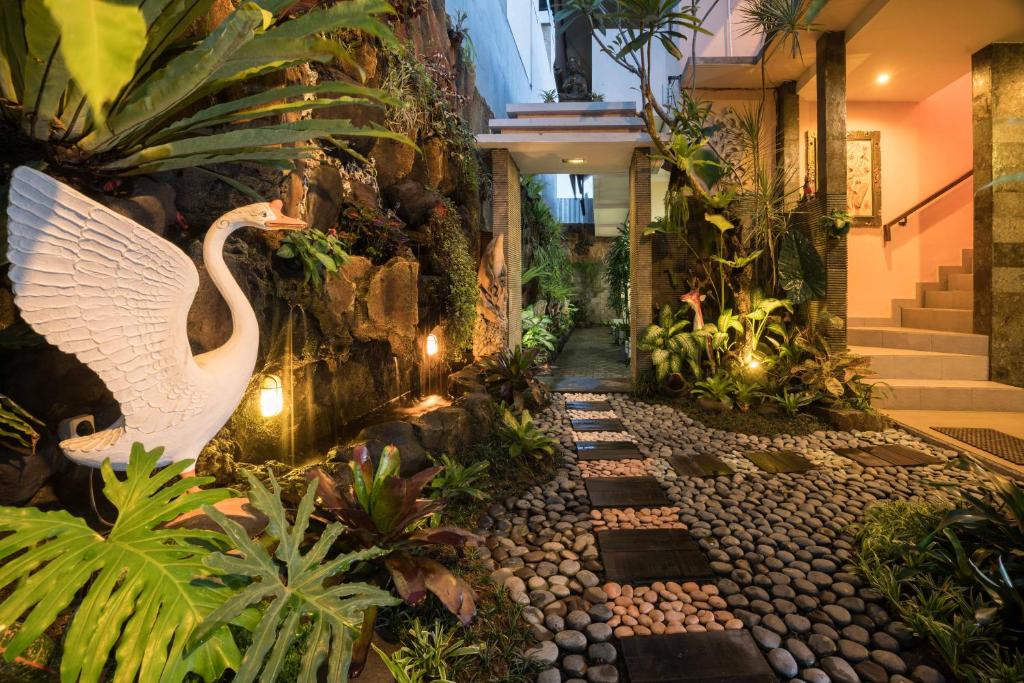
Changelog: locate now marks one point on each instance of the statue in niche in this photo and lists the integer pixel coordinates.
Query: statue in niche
(574, 86)
(492, 319)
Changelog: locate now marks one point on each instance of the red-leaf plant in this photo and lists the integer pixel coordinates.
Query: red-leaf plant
(385, 510)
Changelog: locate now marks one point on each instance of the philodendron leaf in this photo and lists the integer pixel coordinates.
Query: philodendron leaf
(719, 221)
(101, 40)
(141, 587)
(299, 592)
(801, 270)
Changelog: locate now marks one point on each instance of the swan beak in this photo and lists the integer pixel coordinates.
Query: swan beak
(285, 223)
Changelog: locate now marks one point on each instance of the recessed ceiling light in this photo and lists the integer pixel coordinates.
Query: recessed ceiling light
(882, 78)
(574, 161)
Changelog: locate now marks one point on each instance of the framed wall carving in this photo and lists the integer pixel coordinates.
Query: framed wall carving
(864, 177)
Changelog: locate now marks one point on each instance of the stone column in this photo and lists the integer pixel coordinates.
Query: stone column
(787, 140)
(998, 74)
(831, 82)
(507, 209)
(641, 280)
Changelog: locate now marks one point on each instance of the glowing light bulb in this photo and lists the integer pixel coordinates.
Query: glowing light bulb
(753, 364)
(882, 78)
(271, 396)
(432, 345)
(574, 162)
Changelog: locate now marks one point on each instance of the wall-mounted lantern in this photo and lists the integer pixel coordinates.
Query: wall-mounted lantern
(271, 396)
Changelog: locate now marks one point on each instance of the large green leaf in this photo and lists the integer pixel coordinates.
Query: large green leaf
(140, 588)
(101, 40)
(801, 270)
(45, 74)
(292, 587)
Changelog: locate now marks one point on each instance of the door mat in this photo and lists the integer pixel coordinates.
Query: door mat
(698, 465)
(640, 556)
(608, 450)
(625, 492)
(713, 657)
(999, 444)
(776, 462)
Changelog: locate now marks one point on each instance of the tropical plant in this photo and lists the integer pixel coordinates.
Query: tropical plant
(801, 270)
(17, 425)
(291, 587)
(537, 331)
(384, 510)
(522, 437)
(549, 96)
(321, 254)
(792, 401)
(374, 233)
(718, 388)
(141, 590)
(721, 337)
(833, 374)
(458, 34)
(745, 391)
(670, 345)
(114, 88)
(456, 481)
(616, 273)
(458, 289)
(511, 377)
(428, 655)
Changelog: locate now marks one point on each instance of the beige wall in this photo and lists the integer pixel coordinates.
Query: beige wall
(924, 146)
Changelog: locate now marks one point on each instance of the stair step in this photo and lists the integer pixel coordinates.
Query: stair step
(919, 340)
(950, 298)
(961, 281)
(915, 364)
(945, 319)
(950, 394)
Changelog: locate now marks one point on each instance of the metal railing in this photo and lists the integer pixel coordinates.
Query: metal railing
(901, 219)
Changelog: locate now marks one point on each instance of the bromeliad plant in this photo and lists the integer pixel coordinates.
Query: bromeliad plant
(120, 89)
(523, 437)
(384, 510)
(511, 377)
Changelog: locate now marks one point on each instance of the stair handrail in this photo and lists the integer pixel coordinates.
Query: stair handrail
(902, 218)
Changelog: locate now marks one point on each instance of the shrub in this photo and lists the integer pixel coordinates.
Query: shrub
(458, 482)
(428, 655)
(537, 331)
(321, 254)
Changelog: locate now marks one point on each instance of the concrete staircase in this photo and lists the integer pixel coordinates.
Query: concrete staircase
(927, 353)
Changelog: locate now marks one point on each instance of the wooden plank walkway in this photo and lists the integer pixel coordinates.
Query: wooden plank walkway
(713, 657)
(625, 492)
(640, 556)
(698, 465)
(775, 462)
(598, 425)
(608, 450)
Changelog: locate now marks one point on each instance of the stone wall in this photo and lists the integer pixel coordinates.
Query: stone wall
(343, 352)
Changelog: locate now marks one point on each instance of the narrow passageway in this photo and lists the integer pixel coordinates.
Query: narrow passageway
(639, 564)
(591, 361)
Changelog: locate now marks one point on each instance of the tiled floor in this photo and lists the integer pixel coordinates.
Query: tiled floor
(591, 352)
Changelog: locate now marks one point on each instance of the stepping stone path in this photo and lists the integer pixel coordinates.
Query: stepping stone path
(744, 573)
(775, 462)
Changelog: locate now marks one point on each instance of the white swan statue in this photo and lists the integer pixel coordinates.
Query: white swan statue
(116, 295)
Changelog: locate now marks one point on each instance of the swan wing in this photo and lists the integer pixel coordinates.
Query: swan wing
(116, 295)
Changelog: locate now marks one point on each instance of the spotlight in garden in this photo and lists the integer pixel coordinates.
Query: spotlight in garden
(432, 345)
(271, 396)
(753, 363)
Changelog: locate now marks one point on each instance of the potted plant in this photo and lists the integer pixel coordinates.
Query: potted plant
(837, 222)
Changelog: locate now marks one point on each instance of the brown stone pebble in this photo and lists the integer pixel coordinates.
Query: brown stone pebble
(613, 468)
(668, 607)
(637, 518)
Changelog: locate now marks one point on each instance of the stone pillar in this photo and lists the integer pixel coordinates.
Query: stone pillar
(787, 140)
(831, 81)
(641, 276)
(506, 206)
(998, 74)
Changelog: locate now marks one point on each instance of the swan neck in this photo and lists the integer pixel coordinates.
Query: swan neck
(244, 326)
